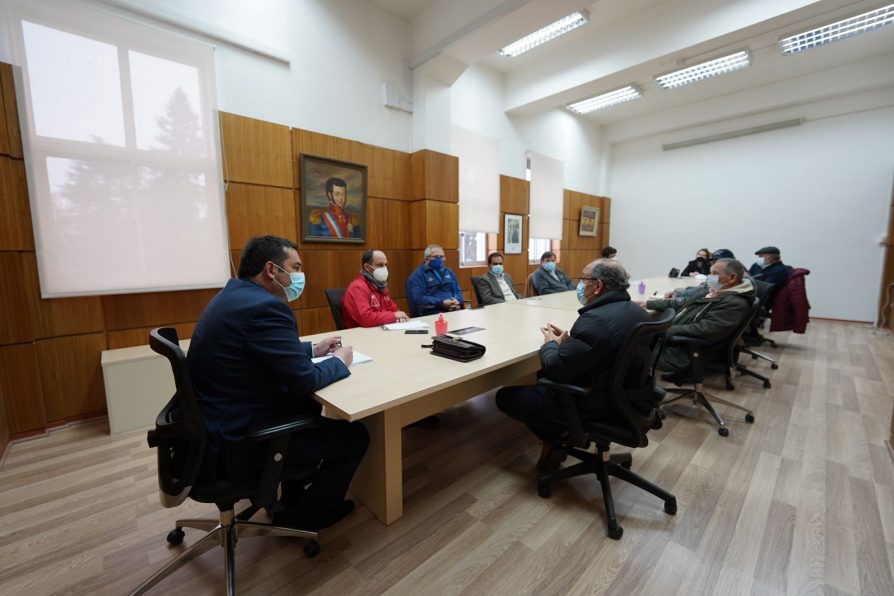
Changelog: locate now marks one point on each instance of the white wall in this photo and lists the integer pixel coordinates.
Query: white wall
(478, 103)
(340, 51)
(819, 191)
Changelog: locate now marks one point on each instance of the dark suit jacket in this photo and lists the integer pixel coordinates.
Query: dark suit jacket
(489, 289)
(247, 364)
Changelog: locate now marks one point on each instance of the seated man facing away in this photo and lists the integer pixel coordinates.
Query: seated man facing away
(496, 286)
(367, 301)
(769, 267)
(585, 356)
(549, 279)
(712, 315)
(683, 293)
(249, 368)
(433, 288)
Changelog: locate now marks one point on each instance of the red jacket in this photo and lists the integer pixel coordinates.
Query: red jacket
(790, 305)
(364, 305)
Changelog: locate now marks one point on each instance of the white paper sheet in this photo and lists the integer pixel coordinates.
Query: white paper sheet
(405, 326)
(358, 358)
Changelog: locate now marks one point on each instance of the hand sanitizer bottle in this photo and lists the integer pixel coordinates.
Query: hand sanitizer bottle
(441, 326)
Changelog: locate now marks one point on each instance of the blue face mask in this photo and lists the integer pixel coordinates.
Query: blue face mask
(714, 282)
(550, 266)
(436, 264)
(497, 269)
(294, 289)
(580, 293)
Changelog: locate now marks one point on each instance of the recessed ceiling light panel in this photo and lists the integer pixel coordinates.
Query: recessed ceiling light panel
(605, 100)
(820, 36)
(550, 32)
(705, 70)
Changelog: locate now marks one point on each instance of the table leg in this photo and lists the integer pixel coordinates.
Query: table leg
(378, 482)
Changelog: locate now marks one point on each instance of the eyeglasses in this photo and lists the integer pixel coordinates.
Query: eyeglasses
(580, 279)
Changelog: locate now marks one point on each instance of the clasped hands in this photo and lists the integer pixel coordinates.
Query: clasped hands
(451, 304)
(553, 333)
(332, 345)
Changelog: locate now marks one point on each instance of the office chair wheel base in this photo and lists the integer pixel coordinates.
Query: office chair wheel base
(754, 356)
(175, 536)
(749, 418)
(767, 384)
(774, 366)
(615, 531)
(544, 490)
(723, 431)
(670, 507)
(311, 548)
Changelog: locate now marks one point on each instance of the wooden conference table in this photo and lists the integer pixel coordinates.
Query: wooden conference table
(405, 382)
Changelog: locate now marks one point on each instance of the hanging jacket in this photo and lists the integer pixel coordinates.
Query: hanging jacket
(790, 305)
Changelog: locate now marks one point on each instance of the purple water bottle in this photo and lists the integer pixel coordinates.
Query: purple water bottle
(642, 288)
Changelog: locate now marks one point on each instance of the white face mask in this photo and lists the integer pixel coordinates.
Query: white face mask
(760, 263)
(381, 274)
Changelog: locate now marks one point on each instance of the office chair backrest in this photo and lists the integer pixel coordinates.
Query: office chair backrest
(179, 432)
(414, 312)
(478, 301)
(736, 337)
(336, 297)
(633, 375)
(530, 289)
(765, 291)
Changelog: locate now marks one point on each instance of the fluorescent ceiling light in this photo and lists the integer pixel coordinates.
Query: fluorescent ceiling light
(861, 23)
(705, 70)
(541, 36)
(605, 100)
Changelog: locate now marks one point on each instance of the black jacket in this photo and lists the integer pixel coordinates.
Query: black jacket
(702, 266)
(587, 356)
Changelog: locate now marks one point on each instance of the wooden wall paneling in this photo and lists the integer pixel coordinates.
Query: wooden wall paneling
(514, 195)
(255, 151)
(71, 375)
(322, 145)
(15, 211)
(4, 427)
(59, 316)
(435, 176)
(17, 301)
(21, 388)
(254, 210)
(315, 320)
(326, 269)
(517, 267)
(401, 263)
(130, 311)
(572, 240)
(605, 216)
(603, 234)
(140, 337)
(388, 224)
(4, 126)
(389, 174)
(434, 222)
(11, 110)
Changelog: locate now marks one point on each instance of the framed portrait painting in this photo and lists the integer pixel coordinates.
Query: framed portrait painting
(589, 217)
(333, 200)
(512, 234)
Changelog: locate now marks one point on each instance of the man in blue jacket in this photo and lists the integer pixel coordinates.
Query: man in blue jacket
(433, 288)
(249, 367)
(769, 267)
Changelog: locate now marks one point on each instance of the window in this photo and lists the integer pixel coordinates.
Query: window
(474, 248)
(538, 246)
(122, 153)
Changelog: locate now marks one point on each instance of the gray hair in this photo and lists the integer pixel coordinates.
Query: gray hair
(733, 266)
(427, 252)
(611, 273)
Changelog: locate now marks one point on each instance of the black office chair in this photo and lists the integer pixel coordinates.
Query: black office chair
(188, 464)
(752, 336)
(530, 288)
(413, 311)
(632, 393)
(335, 297)
(478, 300)
(702, 355)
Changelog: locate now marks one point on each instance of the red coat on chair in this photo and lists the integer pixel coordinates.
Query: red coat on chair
(790, 306)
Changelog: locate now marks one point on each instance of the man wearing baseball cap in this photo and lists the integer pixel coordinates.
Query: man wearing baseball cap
(769, 266)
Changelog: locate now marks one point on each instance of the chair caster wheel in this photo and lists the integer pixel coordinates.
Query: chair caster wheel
(311, 548)
(774, 366)
(670, 507)
(544, 490)
(766, 384)
(749, 418)
(615, 531)
(723, 431)
(175, 536)
(754, 357)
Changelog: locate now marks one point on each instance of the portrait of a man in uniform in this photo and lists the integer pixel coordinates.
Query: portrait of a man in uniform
(333, 200)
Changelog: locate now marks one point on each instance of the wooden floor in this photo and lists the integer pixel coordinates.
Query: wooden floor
(801, 502)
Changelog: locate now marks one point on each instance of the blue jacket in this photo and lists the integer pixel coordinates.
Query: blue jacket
(247, 364)
(775, 274)
(427, 289)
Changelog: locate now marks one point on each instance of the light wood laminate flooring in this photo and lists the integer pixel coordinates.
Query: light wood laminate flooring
(801, 502)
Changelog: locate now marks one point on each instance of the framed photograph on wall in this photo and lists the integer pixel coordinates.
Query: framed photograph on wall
(589, 217)
(333, 200)
(512, 234)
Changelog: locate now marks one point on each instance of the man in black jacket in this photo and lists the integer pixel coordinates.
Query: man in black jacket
(585, 356)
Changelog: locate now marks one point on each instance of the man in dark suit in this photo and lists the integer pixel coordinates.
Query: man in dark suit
(249, 367)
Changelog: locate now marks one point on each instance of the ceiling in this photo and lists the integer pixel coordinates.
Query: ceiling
(631, 41)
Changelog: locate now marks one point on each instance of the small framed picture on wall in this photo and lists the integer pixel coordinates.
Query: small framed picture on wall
(333, 200)
(512, 234)
(589, 217)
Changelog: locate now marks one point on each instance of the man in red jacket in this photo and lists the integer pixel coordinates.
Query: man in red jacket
(367, 301)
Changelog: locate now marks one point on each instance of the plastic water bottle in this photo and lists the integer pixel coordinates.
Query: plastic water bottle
(642, 288)
(440, 326)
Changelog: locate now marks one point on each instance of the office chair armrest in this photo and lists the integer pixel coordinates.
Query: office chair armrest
(682, 340)
(566, 394)
(285, 427)
(579, 390)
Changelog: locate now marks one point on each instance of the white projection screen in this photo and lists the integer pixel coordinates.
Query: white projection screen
(122, 144)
